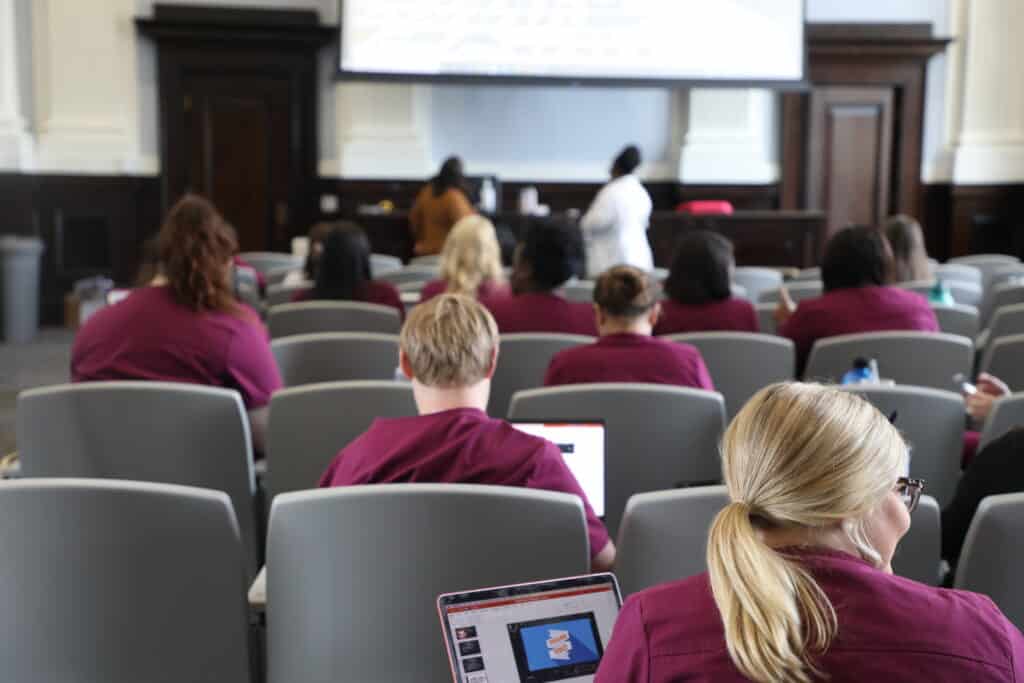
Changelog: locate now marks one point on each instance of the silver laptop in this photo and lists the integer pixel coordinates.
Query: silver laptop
(582, 445)
(532, 632)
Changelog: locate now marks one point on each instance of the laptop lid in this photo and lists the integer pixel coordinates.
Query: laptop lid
(531, 633)
(582, 443)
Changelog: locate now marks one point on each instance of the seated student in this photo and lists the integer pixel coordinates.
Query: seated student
(799, 584)
(857, 298)
(998, 468)
(448, 348)
(343, 271)
(626, 305)
(470, 262)
(187, 326)
(315, 247)
(909, 258)
(546, 259)
(698, 297)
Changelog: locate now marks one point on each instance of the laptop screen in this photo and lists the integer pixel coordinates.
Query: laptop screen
(582, 446)
(531, 633)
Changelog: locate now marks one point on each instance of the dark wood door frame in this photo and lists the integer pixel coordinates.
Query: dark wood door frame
(217, 40)
(891, 55)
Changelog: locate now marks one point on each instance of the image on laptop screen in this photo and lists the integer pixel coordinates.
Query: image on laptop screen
(582, 446)
(530, 633)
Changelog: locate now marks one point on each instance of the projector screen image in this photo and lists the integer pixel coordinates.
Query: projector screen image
(576, 40)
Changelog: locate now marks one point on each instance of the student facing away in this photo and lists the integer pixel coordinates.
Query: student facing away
(627, 309)
(449, 349)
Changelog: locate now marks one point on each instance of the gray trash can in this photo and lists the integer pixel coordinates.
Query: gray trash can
(19, 288)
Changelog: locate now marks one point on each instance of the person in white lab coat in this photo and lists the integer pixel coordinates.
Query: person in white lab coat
(615, 226)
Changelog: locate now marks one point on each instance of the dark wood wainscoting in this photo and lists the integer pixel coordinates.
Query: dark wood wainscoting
(987, 218)
(91, 225)
(353, 193)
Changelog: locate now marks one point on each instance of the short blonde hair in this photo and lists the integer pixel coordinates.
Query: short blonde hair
(450, 341)
(471, 256)
(796, 456)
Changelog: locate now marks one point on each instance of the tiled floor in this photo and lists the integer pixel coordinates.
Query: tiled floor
(23, 366)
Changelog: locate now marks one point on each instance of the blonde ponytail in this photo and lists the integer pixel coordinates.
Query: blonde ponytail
(797, 456)
(773, 611)
(471, 256)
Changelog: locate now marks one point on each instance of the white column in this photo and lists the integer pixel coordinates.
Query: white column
(15, 143)
(990, 144)
(85, 86)
(383, 131)
(731, 138)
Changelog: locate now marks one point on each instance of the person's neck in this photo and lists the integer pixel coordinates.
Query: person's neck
(158, 281)
(831, 538)
(439, 399)
(642, 328)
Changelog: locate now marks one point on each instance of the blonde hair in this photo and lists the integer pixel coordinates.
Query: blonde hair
(909, 257)
(796, 456)
(450, 341)
(471, 256)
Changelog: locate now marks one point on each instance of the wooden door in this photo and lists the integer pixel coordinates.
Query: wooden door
(238, 154)
(850, 148)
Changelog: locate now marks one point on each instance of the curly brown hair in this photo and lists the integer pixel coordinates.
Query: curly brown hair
(196, 246)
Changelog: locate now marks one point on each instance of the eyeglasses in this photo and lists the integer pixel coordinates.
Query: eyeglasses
(910, 491)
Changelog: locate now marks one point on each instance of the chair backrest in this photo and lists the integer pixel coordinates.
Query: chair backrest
(766, 318)
(957, 272)
(738, 291)
(964, 293)
(431, 261)
(932, 422)
(741, 363)
(309, 425)
(353, 573)
(1005, 321)
(384, 263)
(1006, 273)
(982, 261)
(120, 582)
(335, 357)
(281, 293)
(332, 316)
(957, 319)
(522, 361)
(420, 274)
(266, 261)
(1007, 413)
(756, 280)
(1006, 294)
(581, 291)
(145, 431)
(991, 562)
(277, 275)
(918, 554)
(808, 274)
(798, 291)
(664, 535)
(926, 359)
(656, 437)
(1003, 359)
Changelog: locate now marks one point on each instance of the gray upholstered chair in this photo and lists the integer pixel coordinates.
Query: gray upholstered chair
(353, 573)
(657, 436)
(310, 317)
(991, 562)
(522, 361)
(335, 357)
(119, 582)
(146, 431)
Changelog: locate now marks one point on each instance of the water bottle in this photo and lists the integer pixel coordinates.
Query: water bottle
(862, 372)
(940, 294)
(488, 196)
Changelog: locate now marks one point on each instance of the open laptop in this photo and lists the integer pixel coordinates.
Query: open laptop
(582, 445)
(532, 632)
